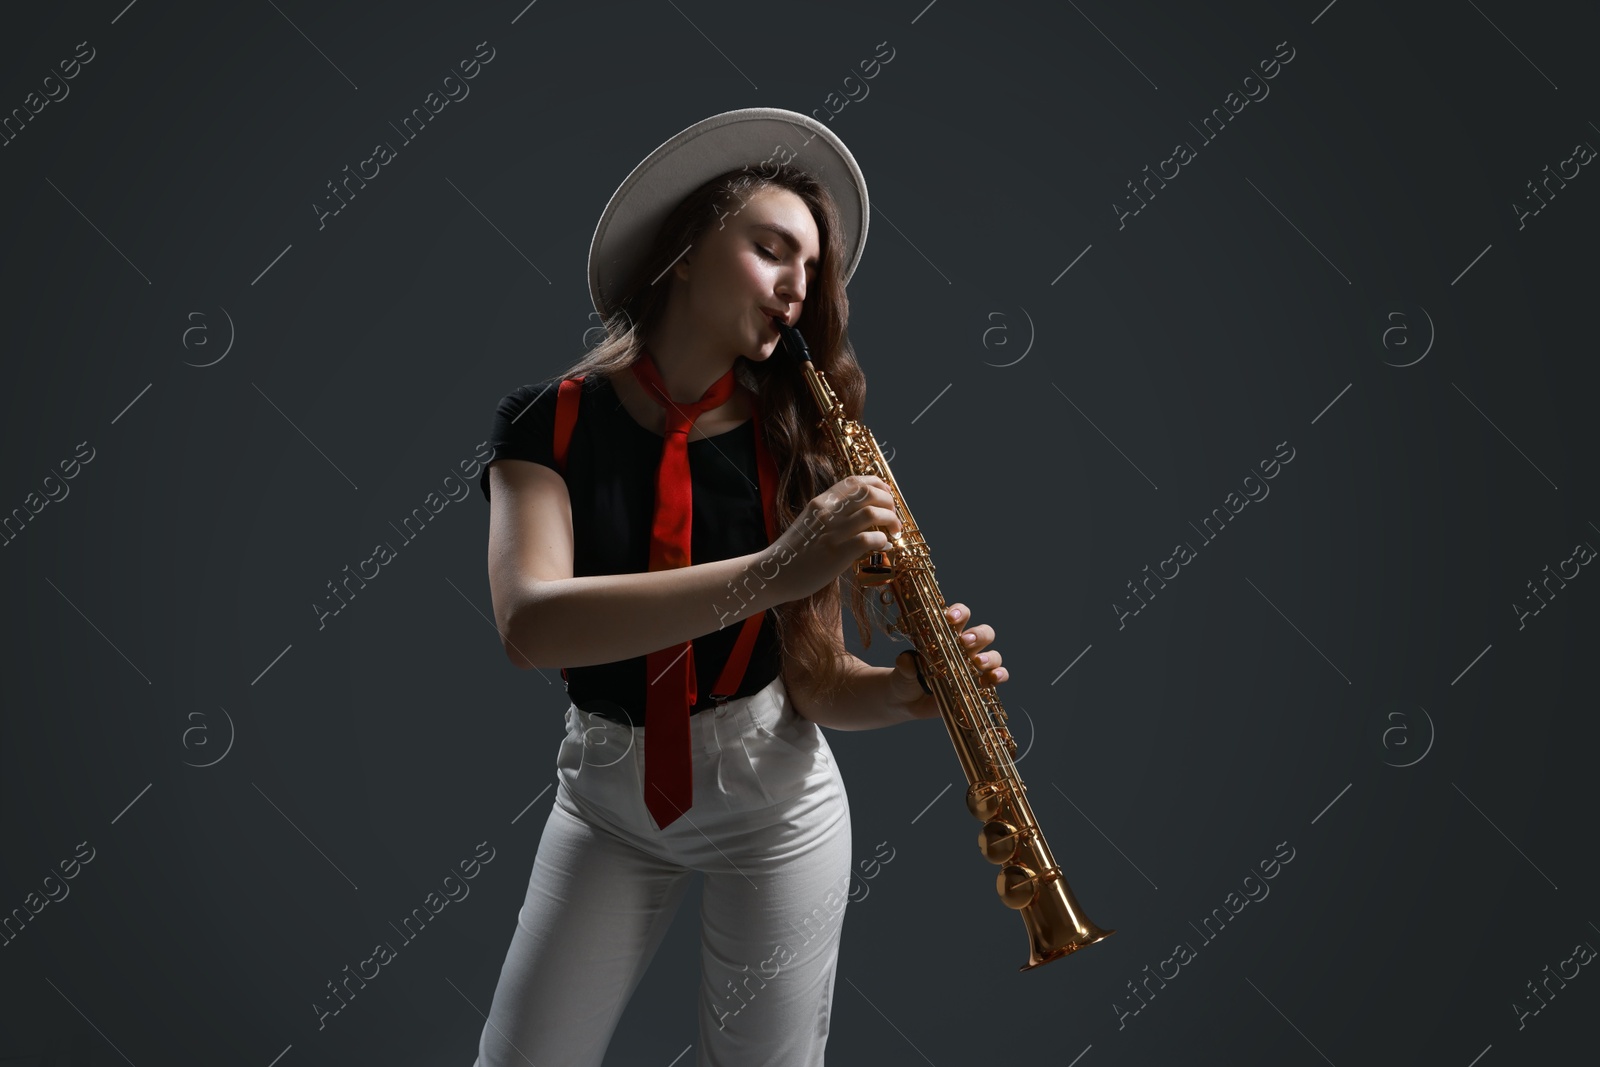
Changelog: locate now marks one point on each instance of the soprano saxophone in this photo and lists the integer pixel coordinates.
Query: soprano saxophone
(1030, 881)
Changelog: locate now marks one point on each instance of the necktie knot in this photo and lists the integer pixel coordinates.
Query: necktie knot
(680, 418)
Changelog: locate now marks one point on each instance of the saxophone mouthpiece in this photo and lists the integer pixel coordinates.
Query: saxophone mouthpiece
(790, 339)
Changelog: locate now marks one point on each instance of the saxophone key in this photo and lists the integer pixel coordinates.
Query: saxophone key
(1017, 885)
(985, 799)
(998, 841)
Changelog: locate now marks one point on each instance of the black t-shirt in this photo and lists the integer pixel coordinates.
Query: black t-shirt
(611, 480)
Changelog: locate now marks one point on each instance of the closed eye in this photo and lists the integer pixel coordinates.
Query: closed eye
(765, 252)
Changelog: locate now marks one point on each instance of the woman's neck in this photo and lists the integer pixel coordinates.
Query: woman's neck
(687, 376)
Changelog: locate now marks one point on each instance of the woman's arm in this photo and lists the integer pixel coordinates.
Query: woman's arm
(871, 700)
(548, 618)
(884, 696)
(577, 622)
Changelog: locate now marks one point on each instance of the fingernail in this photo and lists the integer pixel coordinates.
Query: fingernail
(968, 639)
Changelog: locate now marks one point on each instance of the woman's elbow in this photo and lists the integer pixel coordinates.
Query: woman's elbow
(518, 660)
(519, 649)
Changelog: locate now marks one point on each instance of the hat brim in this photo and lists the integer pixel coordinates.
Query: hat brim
(724, 142)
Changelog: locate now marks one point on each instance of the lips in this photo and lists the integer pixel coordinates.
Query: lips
(780, 315)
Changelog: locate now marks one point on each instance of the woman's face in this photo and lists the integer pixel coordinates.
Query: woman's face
(759, 263)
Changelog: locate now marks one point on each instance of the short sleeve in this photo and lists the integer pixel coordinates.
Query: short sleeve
(523, 427)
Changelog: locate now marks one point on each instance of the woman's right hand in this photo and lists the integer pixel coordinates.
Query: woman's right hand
(835, 529)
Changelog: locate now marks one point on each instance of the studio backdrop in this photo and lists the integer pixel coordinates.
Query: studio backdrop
(1236, 362)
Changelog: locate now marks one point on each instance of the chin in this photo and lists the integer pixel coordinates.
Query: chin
(763, 350)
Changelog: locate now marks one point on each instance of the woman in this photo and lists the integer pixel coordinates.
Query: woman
(673, 528)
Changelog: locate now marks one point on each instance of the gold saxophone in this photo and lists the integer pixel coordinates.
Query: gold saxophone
(1030, 881)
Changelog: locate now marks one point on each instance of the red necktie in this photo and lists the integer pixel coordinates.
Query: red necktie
(671, 686)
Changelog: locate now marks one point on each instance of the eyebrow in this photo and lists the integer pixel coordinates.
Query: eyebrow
(794, 242)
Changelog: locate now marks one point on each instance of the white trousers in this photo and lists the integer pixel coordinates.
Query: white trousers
(769, 827)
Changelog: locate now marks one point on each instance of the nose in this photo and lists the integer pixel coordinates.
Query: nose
(792, 286)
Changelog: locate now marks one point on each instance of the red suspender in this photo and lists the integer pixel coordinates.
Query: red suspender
(566, 418)
(739, 658)
(767, 470)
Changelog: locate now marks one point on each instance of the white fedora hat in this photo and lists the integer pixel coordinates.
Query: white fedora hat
(720, 143)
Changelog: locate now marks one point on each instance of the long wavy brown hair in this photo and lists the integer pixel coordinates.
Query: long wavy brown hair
(803, 454)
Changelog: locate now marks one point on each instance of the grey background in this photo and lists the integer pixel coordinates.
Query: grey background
(1054, 430)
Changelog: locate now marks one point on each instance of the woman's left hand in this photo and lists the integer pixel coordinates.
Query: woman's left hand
(907, 692)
